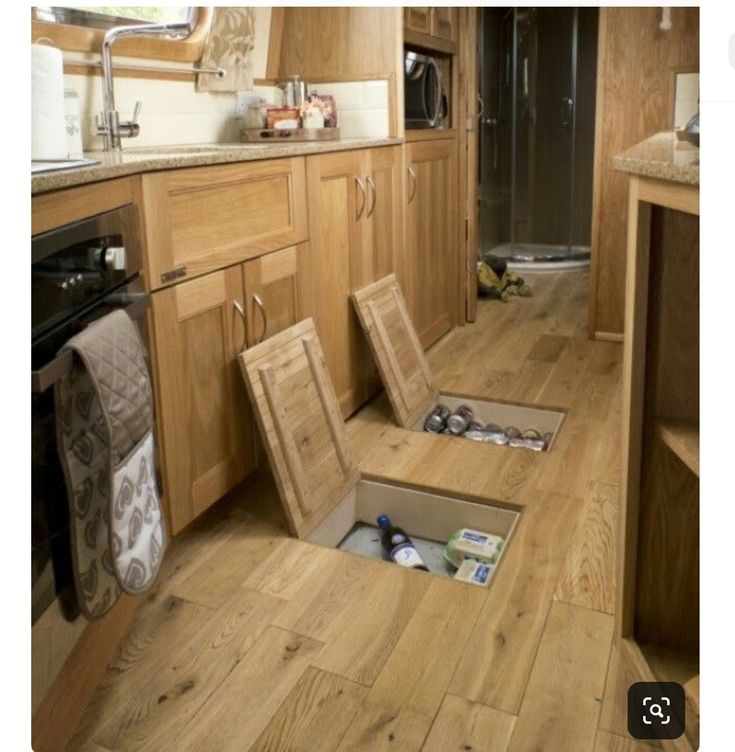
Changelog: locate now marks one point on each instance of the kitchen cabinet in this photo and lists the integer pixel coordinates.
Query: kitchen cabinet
(202, 219)
(383, 224)
(431, 261)
(417, 19)
(205, 424)
(431, 28)
(278, 291)
(199, 327)
(355, 220)
(444, 23)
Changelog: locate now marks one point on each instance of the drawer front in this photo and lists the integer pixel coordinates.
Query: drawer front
(202, 219)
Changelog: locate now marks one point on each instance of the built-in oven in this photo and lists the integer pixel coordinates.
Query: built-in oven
(426, 104)
(79, 273)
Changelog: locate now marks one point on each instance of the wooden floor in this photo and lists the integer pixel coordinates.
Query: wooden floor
(255, 641)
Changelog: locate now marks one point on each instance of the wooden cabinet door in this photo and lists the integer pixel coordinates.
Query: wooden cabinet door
(432, 263)
(205, 421)
(444, 23)
(417, 19)
(384, 215)
(202, 219)
(342, 262)
(278, 288)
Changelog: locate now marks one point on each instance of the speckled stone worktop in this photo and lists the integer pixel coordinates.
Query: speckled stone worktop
(663, 157)
(132, 161)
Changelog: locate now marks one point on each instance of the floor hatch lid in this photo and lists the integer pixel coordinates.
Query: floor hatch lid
(301, 425)
(384, 316)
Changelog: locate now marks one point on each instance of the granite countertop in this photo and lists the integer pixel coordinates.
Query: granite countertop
(663, 157)
(132, 161)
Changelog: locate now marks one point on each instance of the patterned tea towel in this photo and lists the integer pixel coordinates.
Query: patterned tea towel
(104, 427)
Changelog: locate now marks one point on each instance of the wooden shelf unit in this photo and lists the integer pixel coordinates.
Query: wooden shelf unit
(682, 437)
(657, 610)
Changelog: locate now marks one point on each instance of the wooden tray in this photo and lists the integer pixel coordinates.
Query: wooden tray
(273, 135)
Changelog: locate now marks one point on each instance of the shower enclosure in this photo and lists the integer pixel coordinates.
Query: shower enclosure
(537, 120)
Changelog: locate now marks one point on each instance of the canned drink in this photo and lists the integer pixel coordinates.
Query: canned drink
(475, 425)
(537, 445)
(531, 433)
(548, 437)
(512, 432)
(494, 428)
(459, 421)
(486, 437)
(437, 420)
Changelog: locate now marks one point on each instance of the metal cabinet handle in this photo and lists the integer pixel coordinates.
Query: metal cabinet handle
(258, 302)
(241, 312)
(361, 186)
(371, 183)
(481, 102)
(567, 115)
(412, 189)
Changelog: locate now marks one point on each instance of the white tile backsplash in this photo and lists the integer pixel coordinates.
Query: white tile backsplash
(173, 111)
(362, 106)
(364, 123)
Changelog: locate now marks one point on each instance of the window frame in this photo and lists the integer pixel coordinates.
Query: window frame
(86, 39)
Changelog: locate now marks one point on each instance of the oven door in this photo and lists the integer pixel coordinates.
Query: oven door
(422, 92)
(51, 562)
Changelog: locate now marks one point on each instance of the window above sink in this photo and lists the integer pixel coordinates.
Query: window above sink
(82, 30)
(105, 17)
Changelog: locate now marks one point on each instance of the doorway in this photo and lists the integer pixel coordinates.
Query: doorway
(538, 70)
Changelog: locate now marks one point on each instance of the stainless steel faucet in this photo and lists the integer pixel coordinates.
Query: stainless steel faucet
(109, 125)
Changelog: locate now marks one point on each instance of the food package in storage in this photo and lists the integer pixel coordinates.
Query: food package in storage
(473, 544)
(475, 572)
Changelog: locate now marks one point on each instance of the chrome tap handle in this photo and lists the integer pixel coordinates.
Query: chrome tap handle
(131, 128)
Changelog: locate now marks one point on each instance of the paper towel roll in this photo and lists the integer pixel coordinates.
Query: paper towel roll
(48, 120)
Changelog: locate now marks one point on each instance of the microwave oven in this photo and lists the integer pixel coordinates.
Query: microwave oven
(426, 101)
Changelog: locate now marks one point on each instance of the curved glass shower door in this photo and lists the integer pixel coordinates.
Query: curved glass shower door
(537, 132)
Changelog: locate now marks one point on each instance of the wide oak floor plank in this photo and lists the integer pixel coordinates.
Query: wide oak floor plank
(463, 726)
(314, 716)
(561, 706)
(239, 710)
(588, 575)
(400, 706)
(503, 645)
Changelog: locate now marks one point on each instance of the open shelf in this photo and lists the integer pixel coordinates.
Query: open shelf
(672, 666)
(682, 437)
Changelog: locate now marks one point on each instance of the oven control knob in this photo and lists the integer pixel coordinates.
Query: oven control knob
(114, 258)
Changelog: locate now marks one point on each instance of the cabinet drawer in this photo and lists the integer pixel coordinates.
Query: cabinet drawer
(205, 218)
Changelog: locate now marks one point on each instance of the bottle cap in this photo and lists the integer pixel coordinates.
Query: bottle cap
(384, 521)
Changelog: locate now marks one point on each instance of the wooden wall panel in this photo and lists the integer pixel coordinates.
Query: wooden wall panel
(637, 66)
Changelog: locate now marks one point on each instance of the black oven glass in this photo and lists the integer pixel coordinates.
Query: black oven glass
(102, 257)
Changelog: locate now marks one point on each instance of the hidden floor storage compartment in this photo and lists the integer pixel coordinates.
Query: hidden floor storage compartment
(428, 517)
(544, 422)
(323, 495)
(409, 383)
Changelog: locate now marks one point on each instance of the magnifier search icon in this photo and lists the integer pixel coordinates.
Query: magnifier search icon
(656, 710)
